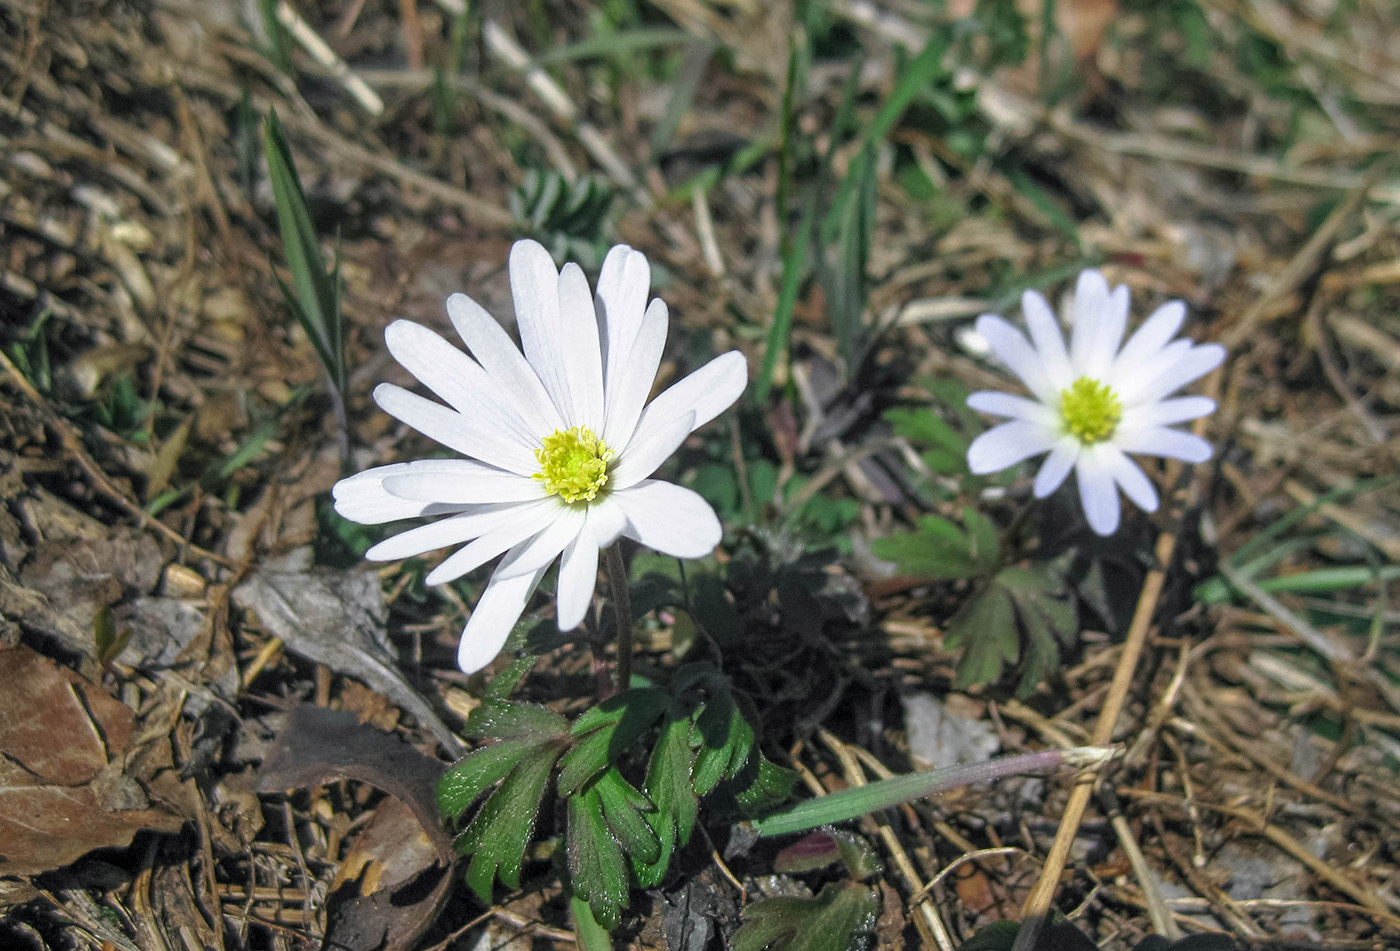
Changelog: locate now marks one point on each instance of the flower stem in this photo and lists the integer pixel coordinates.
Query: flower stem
(622, 612)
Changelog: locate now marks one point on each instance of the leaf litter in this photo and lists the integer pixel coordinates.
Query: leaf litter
(159, 414)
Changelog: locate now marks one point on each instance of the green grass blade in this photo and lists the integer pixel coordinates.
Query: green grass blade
(316, 290)
(860, 800)
(794, 269)
(917, 74)
(614, 45)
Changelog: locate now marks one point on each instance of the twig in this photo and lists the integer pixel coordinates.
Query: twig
(1305, 261)
(1260, 826)
(1037, 904)
(315, 46)
(501, 45)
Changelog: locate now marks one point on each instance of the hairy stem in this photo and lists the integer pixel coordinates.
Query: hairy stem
(622, 612)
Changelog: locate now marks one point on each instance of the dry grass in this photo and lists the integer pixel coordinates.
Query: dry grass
(1244, 170)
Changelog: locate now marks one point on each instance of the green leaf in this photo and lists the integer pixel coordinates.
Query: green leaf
(725, 739)
(477, 771)
(597, 872)
(503, 684)
(1022, 614)
(609, 730)
(590, 935)
(923, 427)
(770, 785)
(1047, 619)
(861, 800)
(837, 919)
(713, 609)
(107, 639)
(668, 786)
(625, 808)
(939, 549)
(779, 333)
(986, 627)
(497, 836)
(509, 720)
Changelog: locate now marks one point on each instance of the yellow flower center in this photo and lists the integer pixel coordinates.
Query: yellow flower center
(573, 464)
(1090, 410)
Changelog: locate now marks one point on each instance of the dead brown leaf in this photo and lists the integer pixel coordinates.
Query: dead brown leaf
(62, 789)
(396, 877)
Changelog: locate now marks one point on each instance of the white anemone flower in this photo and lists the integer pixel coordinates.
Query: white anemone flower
(560, 440)
(1094, 403)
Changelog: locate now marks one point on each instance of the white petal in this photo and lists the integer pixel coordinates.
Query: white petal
(362, 498)
(510, 372)
(534, 287)
(583, 363)
(455, 377)
(1168, 412)
(630, 382)
(497, 611)
(621, 300)
(1008, 444)
(1049, 342)
(1012, 348)
(541, 550)
(1167, 443)
(1097, 493)
(1113, 320)
(1132, 480)
(468, 435)
(578, 575)
(606, 520)
(444, 532)
(1090, 307)
(1056, 466)
(1149, 339)
(1192, 365)
(652, 446)
(669, 518)
(529, 519)
(461, 482)
(706, 393)
(1017, 407)
(1129, 380)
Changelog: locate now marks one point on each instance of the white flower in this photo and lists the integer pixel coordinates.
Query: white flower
(1094, 402)
(561, 440)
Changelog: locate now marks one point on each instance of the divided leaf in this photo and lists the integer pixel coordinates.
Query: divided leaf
(1022, 615)
(597, 871)
(478, 771)
(943, 449)
(607, 731)
(837, 919)
(668, 785)
(725, 739)
(937, 548)
(497, 836)
(772, 784)
(512, 720)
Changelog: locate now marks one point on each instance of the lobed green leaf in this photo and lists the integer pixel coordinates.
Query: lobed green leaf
(510, 720)
(837, 919)
(497, 836)
(597, 871)
(478, 771)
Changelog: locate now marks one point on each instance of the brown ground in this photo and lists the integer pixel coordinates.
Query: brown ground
(1219, 156)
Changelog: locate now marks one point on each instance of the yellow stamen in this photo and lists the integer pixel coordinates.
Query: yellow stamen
(573, 464)
(1090, 410)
